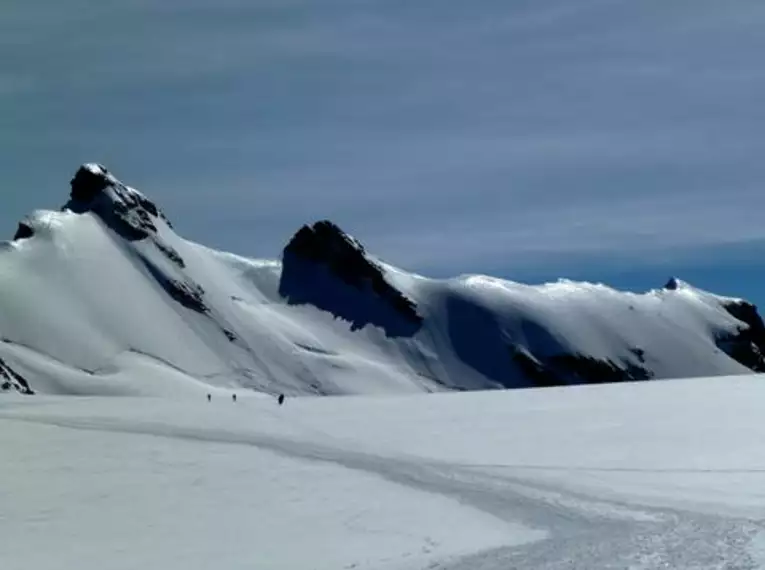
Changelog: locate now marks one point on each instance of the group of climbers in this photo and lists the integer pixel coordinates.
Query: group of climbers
(280, 399)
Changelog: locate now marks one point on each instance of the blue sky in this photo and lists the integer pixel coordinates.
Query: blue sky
(610, 140)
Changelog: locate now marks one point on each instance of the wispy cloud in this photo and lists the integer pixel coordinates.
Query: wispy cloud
(446, 135)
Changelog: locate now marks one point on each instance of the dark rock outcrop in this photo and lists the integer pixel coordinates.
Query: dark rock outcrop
(24, 231)
(190, 295)
(568, 369)
(88, 182)
(580, 369)
(124, 210)
(186, 292)
(12, 380)
(747, 346)
(170, 253)
(325, 267)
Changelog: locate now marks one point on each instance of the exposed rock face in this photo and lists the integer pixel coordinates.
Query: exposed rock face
(24, 231)
(190, 295)
(672, 284)
(11, 380)
(88, 182)
(183, 290)
(748, 346)
(170, 253)
(566, 369)
(125, 210)
(320, 258)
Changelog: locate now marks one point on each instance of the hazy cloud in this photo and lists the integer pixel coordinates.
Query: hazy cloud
(446, 135)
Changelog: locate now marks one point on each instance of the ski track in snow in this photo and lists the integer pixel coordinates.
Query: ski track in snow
(576, 530)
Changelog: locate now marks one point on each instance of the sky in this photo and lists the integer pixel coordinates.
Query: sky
(607, 140)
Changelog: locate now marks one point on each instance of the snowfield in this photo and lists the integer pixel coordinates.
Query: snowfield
(635, 475)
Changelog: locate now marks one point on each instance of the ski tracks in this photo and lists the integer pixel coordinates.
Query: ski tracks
(571, 530)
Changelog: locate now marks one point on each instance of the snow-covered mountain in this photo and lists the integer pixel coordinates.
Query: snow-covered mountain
(103, 297)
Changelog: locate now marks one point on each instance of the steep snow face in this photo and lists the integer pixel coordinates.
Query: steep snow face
(104, 297)
(568, 332)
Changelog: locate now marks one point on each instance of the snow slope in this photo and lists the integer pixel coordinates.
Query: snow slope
(634, 475)
(104, 297)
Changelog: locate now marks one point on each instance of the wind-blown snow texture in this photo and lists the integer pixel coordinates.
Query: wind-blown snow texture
(104, 297)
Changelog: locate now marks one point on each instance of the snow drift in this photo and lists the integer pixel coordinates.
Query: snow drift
(103, 297)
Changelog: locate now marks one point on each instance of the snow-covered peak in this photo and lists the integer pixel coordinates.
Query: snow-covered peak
(322, 240)
(124, 209)
(90, 179)
(673, 284)
(104, 297)
(94, 168)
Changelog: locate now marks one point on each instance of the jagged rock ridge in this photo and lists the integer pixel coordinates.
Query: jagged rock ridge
(124, 209)
(322, 250)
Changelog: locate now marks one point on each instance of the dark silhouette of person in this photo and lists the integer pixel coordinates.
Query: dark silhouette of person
(281, 399)
(209, 397)
(233, 397)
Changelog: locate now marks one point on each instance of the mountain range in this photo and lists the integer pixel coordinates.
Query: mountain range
(104, 297)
